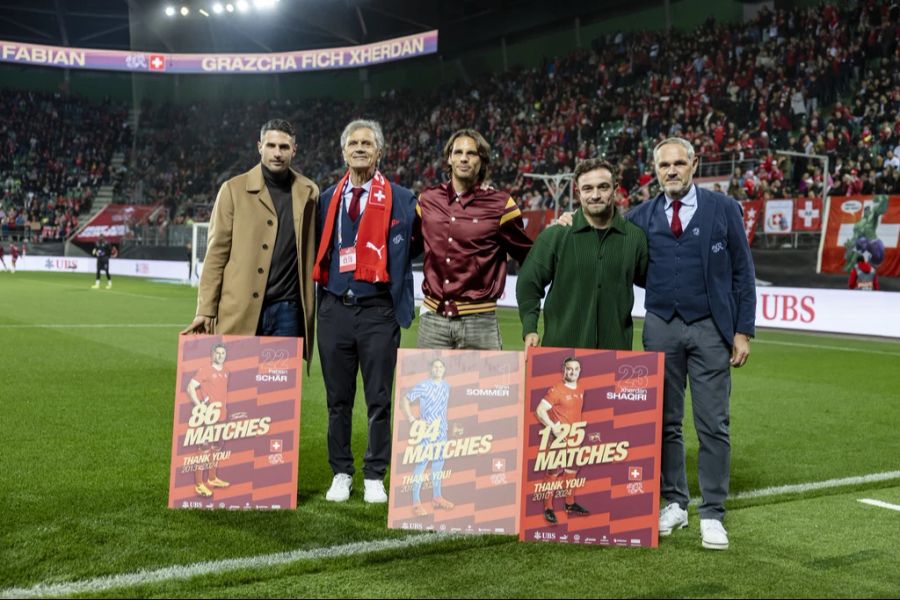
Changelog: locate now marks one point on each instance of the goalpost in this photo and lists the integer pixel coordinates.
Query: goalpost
(198, 251)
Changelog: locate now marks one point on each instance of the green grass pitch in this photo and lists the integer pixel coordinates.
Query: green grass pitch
(86, 392)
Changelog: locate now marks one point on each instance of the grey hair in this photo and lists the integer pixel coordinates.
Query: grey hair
(363, 124)
(674, 140)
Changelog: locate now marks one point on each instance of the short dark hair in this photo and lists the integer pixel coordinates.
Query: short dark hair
(484, 151)
(592, 164)
(571, 359)
(216, 347)
(277, 125)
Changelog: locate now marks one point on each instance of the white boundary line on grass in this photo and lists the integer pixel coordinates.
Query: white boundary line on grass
(801, 488)
(825, 347)
(217, 567)
(880, 504)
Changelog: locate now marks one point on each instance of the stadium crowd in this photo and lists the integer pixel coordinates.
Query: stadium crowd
(739, 92)
(56, 153)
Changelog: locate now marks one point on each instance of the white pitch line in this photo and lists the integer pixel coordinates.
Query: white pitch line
(880, 504)
(94, 326)
(826, 347)
(216, 567)
(800, 488)
(267, 560)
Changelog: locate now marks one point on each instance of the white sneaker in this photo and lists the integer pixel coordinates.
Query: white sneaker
(340, 488)
(713, 534)
(375, 493)
(671, 518)
(108, 284)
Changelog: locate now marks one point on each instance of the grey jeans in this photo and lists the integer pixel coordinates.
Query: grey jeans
(473, 332)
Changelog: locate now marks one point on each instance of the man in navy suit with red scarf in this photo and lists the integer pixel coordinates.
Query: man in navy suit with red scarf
(365, 294)
(701, 309)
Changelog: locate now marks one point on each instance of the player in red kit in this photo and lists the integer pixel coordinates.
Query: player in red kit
(5, 268)
(14, 254)
(210, 385)
(562, 405)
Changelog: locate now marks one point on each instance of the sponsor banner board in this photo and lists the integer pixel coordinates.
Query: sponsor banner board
(114, 222)
(592, 440)
(157, 269)
(349, 57)
(456, 456)
(236, 430)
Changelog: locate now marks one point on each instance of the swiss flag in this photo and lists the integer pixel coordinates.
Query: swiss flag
(808, 214)
(635, 473)
(157, 62)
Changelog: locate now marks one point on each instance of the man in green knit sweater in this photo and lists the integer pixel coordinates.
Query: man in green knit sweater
(591, 268)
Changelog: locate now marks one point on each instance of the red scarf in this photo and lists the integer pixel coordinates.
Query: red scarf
(371, 241)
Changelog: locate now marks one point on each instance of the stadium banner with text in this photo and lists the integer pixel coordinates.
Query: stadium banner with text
(752, 210)
(154, 269)
(364, 55)
(457, 464)
(808, 214)
(801, 309)
(861, 226)
(779, 216)
(114, 222)
(236, 431)
(593, 436)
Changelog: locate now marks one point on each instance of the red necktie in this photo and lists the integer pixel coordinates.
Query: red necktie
(353, 211)
(676, 220)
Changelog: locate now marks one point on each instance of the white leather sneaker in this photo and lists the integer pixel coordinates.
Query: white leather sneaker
(340, 488)
(671, 518)
(713, 534)
(374, 493)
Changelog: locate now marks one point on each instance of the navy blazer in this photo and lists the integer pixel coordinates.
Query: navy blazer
(400, 248)
(727, 263)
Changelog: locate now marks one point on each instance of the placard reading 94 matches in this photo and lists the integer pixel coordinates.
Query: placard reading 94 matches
(456, 462)
(236, 430)
(593, 433)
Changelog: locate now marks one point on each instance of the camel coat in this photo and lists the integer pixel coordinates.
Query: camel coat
(241, 239)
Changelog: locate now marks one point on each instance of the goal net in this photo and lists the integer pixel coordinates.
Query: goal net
(198, 251)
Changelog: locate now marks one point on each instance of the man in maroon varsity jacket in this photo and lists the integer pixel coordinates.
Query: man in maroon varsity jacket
(468, 229)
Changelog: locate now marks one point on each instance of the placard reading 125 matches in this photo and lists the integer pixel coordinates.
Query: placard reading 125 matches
(236, 429)
(593, 433)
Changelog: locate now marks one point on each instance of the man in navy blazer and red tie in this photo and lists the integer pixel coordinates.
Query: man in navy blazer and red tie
(365, 293)
(701, 309)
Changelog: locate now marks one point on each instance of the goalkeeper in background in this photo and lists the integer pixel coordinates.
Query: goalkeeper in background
(103, 250)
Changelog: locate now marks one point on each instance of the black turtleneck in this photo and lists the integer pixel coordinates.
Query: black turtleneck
(283, 282)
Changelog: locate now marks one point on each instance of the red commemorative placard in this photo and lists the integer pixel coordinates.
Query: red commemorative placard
(236, 428)
(593, 433)
(456, 463)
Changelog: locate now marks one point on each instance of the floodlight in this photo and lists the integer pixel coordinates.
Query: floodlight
(229, 7)
(170, 11)
(185, 11)
(242, 5)
(218, 8)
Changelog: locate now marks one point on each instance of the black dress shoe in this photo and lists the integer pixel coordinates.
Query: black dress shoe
(577, 509)
(550, 515)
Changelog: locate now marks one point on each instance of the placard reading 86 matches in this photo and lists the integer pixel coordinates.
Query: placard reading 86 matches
(457, 442)
(237, 423)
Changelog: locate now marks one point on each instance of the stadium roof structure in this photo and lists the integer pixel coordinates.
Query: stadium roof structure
(291, 24)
